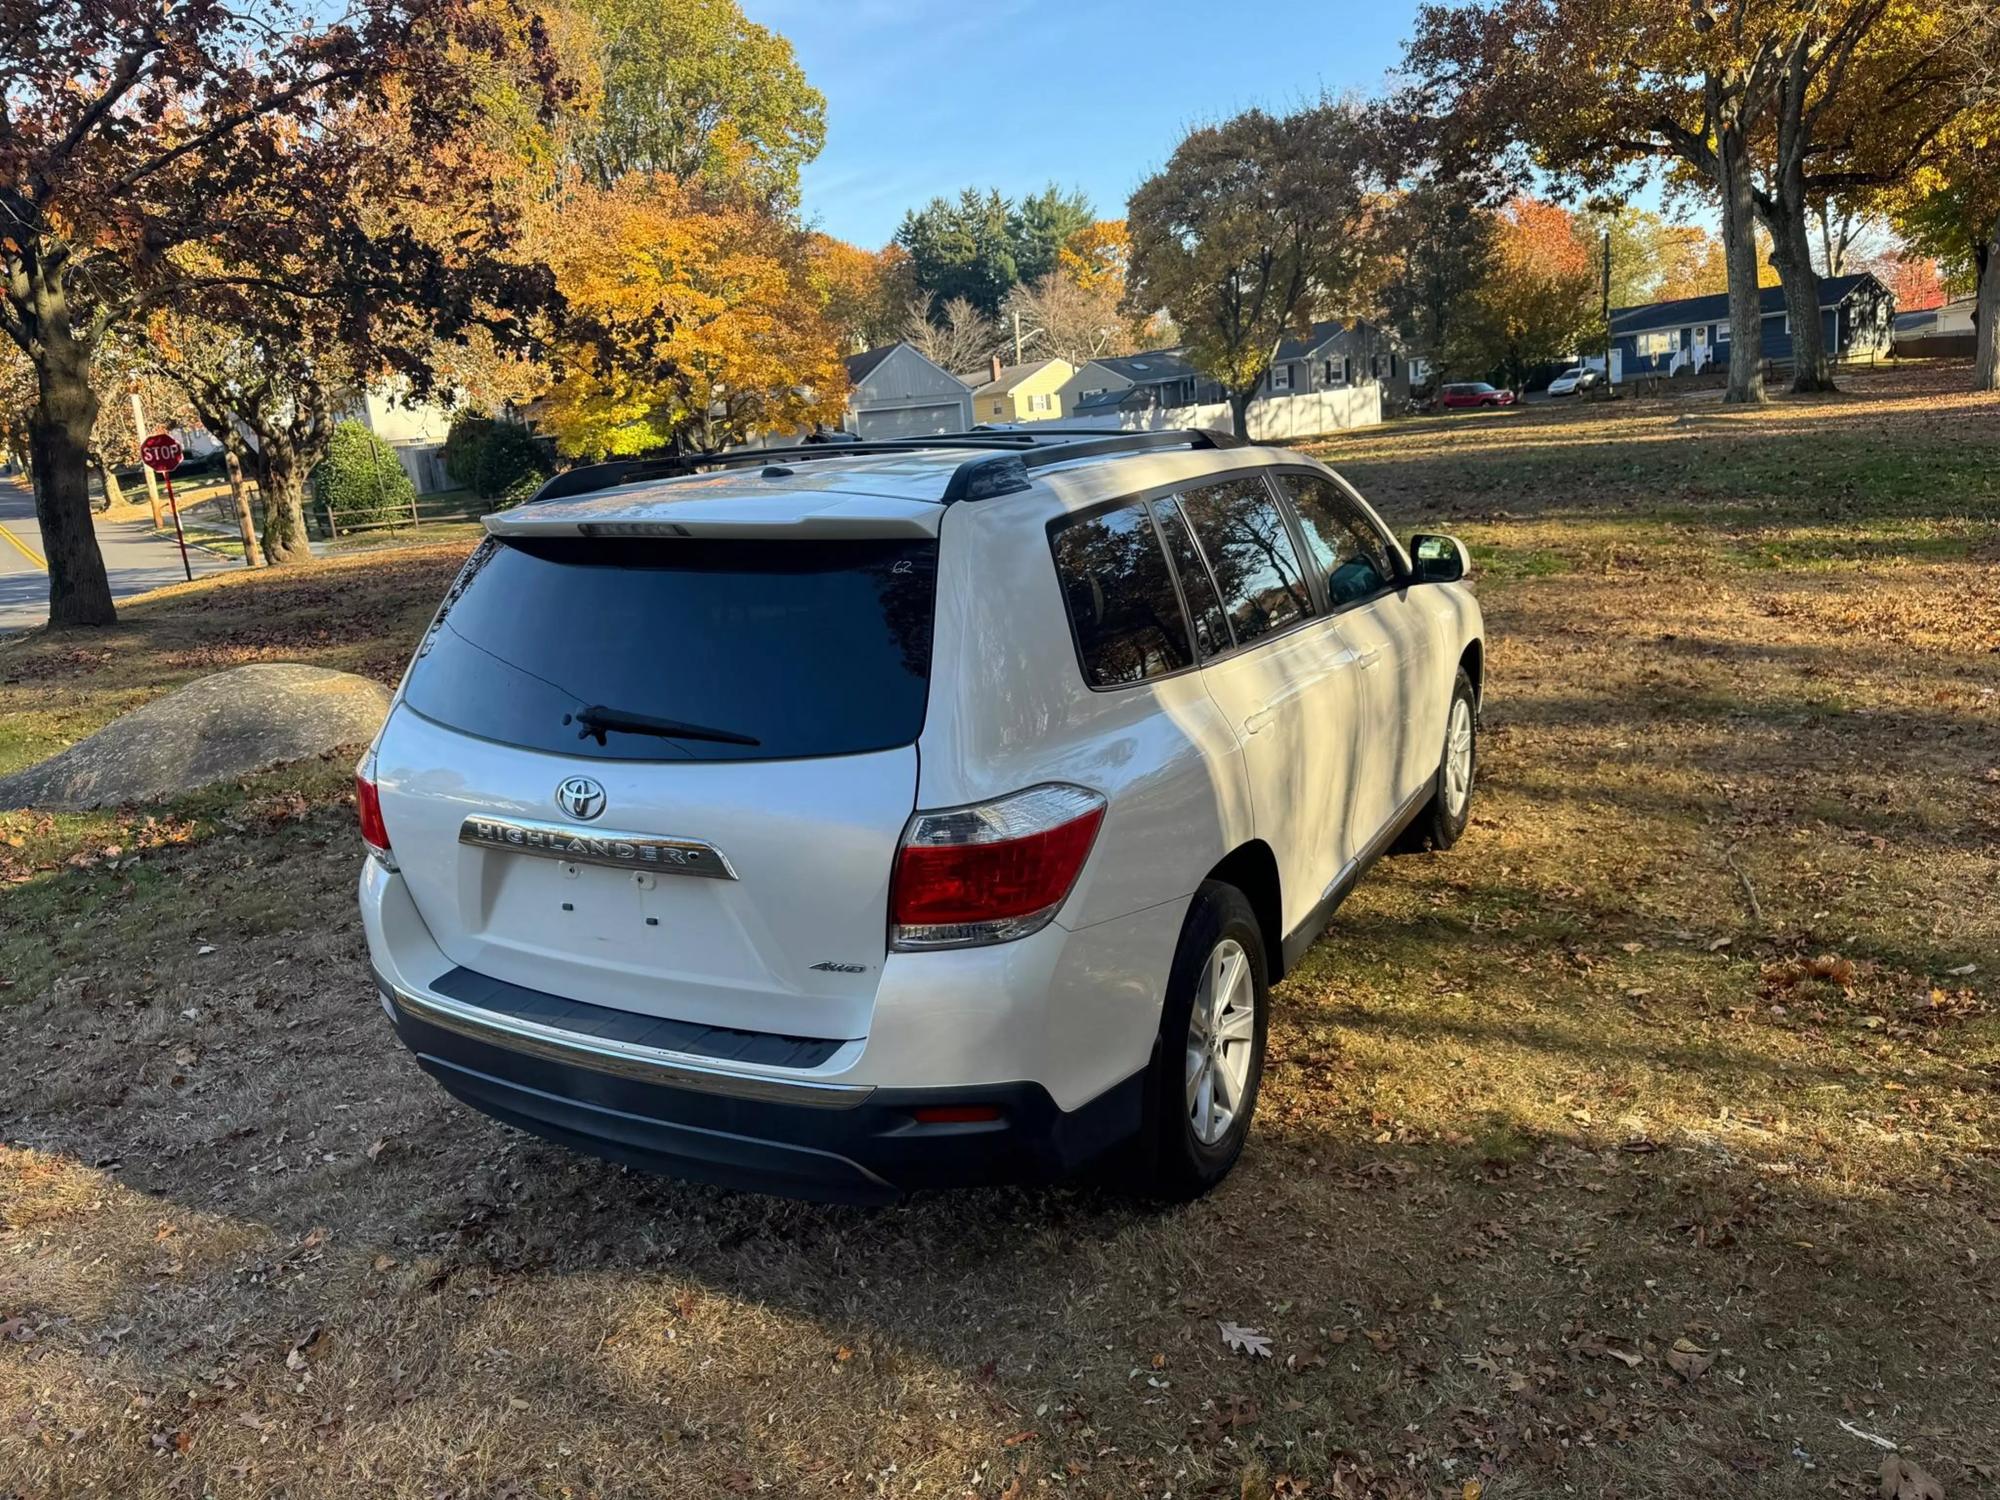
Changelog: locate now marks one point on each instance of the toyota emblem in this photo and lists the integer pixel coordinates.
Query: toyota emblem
(580, 797)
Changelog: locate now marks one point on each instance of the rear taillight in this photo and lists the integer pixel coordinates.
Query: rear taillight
(368, 806)
(992, 872)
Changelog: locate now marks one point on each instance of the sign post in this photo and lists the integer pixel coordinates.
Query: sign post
(162, 454)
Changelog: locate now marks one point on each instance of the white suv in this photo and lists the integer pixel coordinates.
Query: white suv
(840, 820)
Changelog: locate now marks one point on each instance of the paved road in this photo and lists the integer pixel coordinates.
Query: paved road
(135, 558)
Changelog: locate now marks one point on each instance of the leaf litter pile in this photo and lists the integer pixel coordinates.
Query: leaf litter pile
(1644, 1145)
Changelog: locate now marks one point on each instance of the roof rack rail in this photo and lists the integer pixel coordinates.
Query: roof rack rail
(1004, 473)
(1001, 467)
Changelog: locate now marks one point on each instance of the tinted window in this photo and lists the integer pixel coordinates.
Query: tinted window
(1348, 550)
(1211, 630)
(807, 648)
(1243, 535)
(1121, 598)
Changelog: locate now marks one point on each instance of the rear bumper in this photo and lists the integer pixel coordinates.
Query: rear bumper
(749, 1130)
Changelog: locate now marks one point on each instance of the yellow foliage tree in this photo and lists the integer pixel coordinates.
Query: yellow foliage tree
(1095, 257)
(691, 324)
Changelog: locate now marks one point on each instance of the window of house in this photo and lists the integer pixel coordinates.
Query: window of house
(1042, 402)
(1281, 377)
(1350, 552)
(1722, 333)
(1250, 553)
(1121, 598)
(1375, 367)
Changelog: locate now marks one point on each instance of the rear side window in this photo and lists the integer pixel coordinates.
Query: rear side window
(1350, 553)
(685, 649)
(1211, 629)
(1121, 598)
(1243, 534)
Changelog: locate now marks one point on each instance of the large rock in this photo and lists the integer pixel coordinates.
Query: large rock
(222, 726)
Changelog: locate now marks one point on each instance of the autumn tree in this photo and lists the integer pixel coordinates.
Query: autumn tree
(1060, 317)
(693, 322)
(956, 336)
(1950, 209)
(1442, 232)
(864, 292)
(1600, 94)
(1096, 256)
(696, 91)
(137, 129)
(1540, 301)
(1256, 227)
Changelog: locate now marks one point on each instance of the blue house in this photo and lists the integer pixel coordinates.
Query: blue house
(1857, 316)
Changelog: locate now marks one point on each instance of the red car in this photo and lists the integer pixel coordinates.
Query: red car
(1473, 393)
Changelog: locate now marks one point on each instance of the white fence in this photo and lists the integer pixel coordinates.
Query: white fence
(1276, 419)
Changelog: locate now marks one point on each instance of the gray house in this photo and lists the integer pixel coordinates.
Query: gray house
(1137, 382)
(895, 392)
(1334, 355)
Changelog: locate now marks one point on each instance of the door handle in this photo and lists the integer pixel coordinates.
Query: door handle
(1259, 721)
(1369, 660)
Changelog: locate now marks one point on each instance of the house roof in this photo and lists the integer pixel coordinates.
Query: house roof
(1833, 290)
(1015, 375)
(1151, 368)
(861, 366)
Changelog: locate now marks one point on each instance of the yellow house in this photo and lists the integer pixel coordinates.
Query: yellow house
(1023, 393)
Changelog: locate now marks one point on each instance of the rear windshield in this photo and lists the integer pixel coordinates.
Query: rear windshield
(675, 649)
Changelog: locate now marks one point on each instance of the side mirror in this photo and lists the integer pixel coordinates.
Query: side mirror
(1439, 559)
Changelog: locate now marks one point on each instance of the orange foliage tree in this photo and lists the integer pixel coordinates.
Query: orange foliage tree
(1539, 302)
(692, 322)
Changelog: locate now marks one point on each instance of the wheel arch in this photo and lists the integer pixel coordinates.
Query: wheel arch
(1252, 868)
(1473, 661)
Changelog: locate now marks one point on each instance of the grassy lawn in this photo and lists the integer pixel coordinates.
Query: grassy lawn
(1644, 1145)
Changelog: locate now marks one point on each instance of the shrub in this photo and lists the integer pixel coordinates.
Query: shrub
(512, 465)
(360, 478)
(497, 461)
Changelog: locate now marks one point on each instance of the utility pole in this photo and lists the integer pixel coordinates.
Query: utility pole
(1607, 312)
(152, 484)
(1017, 335)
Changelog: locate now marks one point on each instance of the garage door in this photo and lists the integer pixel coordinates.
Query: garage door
(911, 421)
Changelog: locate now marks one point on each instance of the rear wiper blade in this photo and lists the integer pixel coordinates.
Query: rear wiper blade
(597, 719)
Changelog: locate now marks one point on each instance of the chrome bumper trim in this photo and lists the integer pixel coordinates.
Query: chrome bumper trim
(667, 853)
(625, 1059)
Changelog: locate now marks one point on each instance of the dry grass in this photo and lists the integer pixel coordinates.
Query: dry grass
(1681, 1044)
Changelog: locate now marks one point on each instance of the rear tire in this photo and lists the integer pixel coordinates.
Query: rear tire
(1442, 822)
(1208, 1061)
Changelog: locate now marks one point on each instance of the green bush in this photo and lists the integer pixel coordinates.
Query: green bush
(497, 461)
(360, 478)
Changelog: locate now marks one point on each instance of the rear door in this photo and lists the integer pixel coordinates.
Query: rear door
(1393, 641)
(668, 774)
(1284, 677)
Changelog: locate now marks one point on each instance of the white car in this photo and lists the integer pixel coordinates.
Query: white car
(842, 820)
(1570, 382)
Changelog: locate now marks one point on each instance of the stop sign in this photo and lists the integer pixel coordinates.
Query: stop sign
(160, 453)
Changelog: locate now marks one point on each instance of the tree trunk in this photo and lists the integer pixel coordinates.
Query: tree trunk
(114, 493)
(65, 411)
(1986, 316)
(233, 448)
(1739, 242)
(1791, 253)
(281, 477)
(1239, 411)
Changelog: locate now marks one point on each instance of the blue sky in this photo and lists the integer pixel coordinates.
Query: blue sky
(925, 97)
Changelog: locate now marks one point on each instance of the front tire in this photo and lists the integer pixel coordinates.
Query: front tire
(1442, 822)
(1208, 1062)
